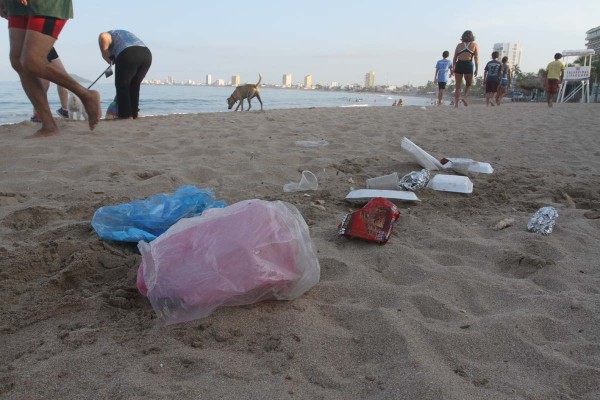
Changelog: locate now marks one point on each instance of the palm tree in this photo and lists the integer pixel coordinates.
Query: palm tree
(516, 71)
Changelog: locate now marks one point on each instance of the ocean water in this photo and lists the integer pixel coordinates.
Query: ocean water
(163, 99)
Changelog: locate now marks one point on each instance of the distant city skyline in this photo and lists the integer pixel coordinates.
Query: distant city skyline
(332, 41)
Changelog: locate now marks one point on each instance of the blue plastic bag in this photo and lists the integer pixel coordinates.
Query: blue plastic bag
(147, 219)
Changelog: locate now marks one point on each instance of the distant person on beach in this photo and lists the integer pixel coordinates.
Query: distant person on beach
(555, 71)
(33, 27)
(443, 69)
(400, 103)
(395, 103)
(132, 60)
(63, 94)
(491, 78)
(505, 80)
(466, 52)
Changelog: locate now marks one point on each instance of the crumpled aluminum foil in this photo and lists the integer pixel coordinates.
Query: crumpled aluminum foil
(543, 221)
(415, 180)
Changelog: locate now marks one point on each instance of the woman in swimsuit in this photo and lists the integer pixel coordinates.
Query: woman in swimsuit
(466, 51)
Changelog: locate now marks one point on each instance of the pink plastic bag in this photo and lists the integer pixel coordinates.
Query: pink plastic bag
(248, 252)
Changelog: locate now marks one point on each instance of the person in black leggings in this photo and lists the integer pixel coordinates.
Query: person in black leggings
(132, 60)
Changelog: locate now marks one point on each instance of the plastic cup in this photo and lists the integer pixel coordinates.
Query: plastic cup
(390, 182)
(308, 181)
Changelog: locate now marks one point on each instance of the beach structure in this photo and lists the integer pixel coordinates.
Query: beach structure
(578, 74)
(593, 40)
(287, 80)
(510, 50)
(370, 79)
(308, 82)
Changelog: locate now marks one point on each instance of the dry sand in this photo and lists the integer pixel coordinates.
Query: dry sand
(449, 308)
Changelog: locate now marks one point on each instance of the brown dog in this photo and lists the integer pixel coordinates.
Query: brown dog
(247, 91)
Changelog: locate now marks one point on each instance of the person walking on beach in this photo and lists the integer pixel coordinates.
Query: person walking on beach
(465, 53)
(505, 80)
(63, 94)
(132, 60)
(555, 71)
(33, 28)
(491, 78)
(443, 69)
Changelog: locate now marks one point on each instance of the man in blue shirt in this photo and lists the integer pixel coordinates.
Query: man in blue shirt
(443, 69)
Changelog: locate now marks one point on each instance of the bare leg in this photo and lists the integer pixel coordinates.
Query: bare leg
(34, 47)
(63, 94)
(32, 85)
(468, 82)
(45, 85)
(458, 79)
(440, 96)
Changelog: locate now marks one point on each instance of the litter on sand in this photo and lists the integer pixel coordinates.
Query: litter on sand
(415, 180)
(374, 222)
(420, 156)
(543, 221)
(451, 183)
(308, 181)
(466, 166)
(312, 143)
(248, 252)
(386, 182)
(148, 218)
(368, 194)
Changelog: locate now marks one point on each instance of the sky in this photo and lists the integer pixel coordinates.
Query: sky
(331, 40)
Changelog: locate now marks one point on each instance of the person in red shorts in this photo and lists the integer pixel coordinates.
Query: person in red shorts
(555, 71)
(33, 27)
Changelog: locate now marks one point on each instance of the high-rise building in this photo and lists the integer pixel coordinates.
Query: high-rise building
(220, 82)
(593, 41)
(287, 80)
(370, 79)
(334, 84)
(308, 82)
(208, 79)
(510, 50)
(235, 80)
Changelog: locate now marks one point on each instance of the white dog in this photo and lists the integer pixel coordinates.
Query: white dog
(76, 108)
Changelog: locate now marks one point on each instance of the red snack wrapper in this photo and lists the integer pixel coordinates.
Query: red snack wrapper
(374, 222)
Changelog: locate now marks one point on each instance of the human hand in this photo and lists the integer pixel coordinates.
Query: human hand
(24, 2)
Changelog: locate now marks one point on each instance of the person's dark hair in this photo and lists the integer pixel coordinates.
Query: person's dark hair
(467, 36)
(557, 56)
(445, 54)
(495, 54)
(504, 59)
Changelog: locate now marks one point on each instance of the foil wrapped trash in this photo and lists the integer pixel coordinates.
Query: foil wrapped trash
(543, 221)
(415, 180)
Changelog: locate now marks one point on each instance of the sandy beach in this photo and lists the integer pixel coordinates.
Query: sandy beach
(449, 308)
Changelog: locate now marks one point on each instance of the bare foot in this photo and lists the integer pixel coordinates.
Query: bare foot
(45, 132)
(92, 107)
(464, 102)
